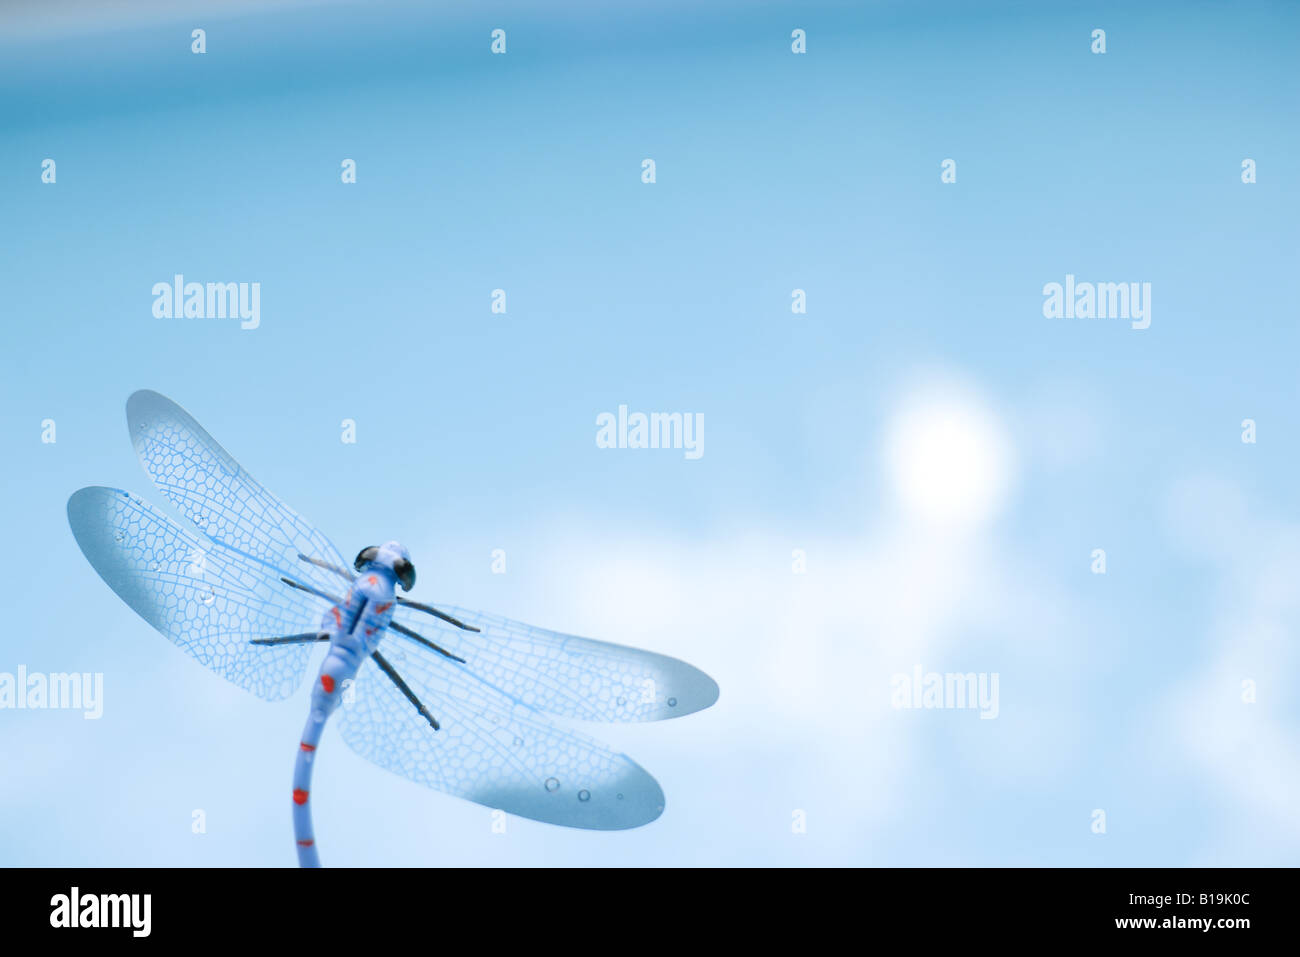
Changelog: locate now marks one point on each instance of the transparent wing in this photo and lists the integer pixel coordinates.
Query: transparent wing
(223, 501)
(565, 675)
(491, 749)
(210, 600)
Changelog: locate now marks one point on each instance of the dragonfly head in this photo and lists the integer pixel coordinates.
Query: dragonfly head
(392, 556)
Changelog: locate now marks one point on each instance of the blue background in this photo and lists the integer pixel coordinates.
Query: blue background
(1119, 692)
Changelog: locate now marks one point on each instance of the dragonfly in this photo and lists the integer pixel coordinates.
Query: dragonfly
(471, 704)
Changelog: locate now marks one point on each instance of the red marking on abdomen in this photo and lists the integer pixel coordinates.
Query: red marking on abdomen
(338, 619)
(307, 747)
(380, 609)
(299, 796)
(327, 683)
(306, 843)
(373, 580)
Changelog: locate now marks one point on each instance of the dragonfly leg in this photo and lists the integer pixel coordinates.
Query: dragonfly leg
(430, 610)
(336, 569)
(420, 639)
(305, 637)
(404, 688)
(311, 591)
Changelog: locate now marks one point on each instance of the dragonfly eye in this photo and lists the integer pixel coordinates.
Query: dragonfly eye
(366, 555)
(405, 572)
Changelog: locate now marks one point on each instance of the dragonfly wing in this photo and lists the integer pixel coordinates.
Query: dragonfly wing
(491, 749)
(210, 600)
(565, 675)
(223, 501)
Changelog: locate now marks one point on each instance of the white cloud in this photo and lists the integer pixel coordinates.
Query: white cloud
(1247, 752)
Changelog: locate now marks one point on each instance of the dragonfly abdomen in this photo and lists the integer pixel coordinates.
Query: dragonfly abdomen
(356, 626)
(339, 668)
